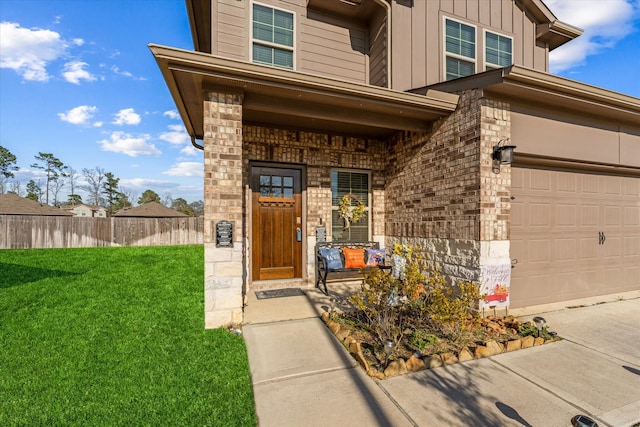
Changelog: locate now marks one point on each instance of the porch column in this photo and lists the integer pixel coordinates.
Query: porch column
(223, 270)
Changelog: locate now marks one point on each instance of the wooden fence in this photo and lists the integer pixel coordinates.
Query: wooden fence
(24, 232)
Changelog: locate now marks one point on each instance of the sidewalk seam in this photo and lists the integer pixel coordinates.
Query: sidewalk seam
(303, 374)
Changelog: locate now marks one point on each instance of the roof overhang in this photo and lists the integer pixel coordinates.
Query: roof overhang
(549, 30)
(534, 87)
(287, 98)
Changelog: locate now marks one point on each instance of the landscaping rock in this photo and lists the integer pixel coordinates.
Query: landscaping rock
(325, 316)
(355, 347)
(494, 347)
(449, 358)
(374, 373)
(527, 341)
(538, 341)
(341, 334)
(434, 362)
(415, 364)
(465, 355)
(514, 345)
(395, 368)
(361, 360)
(481, 351)
(333, 326)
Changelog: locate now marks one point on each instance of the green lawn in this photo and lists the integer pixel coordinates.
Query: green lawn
(115, 337)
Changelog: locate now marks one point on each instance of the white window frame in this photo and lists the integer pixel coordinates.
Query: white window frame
(490, 65)
(447, 54)
(368, 208)
(253, 41)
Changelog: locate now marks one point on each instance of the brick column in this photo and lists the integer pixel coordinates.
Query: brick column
(224, 268)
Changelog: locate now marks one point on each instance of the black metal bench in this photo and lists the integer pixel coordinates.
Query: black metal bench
(322, 269)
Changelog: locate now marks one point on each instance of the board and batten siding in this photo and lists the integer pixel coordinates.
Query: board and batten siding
(332, 48)
(378, 50)
(417, 37)
(324, 45)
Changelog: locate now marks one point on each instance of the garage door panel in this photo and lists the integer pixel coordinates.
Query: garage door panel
(566, 215)
(540, 215)
(612, 216)
(558, 219)
(566, 250)
(631, 276)
(631, 246)
(589, 215)
(632, 216)
(589, 184)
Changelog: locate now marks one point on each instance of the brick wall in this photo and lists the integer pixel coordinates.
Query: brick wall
(223, 201)
(320, 152)
(441, 193)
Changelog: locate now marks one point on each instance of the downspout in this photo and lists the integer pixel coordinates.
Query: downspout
(195, 144)
(387, 7)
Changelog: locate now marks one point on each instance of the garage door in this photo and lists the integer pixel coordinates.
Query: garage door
(574, 235)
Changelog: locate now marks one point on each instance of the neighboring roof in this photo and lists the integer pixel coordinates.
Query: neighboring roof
(537, 87)
(149, 210)
(12, 204)
(283, 97)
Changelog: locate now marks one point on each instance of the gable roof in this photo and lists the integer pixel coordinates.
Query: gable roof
(149, 210)
(12, 204)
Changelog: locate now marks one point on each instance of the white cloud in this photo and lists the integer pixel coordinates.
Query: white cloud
(74, 72)
(116, 70)
(98, 124)
(176, 136)
(172, 114)
(121, 142)
(79, 115)
(604, 23)
(127, 117)
(186, 169)
(29, 51)
(190, 150)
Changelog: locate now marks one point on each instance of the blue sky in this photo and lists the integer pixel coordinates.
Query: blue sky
(77, 80)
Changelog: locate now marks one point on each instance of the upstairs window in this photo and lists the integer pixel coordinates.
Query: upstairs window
(272, 37)
(356, 186)
(498, 51)
(460, 48)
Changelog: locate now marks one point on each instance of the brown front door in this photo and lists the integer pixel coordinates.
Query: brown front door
(276, 199)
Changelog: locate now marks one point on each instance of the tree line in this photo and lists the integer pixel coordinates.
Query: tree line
(102, 187)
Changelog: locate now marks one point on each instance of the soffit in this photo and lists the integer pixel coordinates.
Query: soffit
(283, 97)
(360, 10)
(557, 93)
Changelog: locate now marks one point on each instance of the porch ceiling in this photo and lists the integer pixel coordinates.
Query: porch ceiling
(556, 93)
(288, 98)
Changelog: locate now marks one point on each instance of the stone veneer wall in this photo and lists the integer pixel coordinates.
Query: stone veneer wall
(442, 195)
(223, 273)
(319, 152)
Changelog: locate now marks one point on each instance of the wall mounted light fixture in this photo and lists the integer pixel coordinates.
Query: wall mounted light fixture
(502, 154)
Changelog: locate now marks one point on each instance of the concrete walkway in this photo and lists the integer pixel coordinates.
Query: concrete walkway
(302, 376)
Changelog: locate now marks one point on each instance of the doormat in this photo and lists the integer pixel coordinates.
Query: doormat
(279, 293)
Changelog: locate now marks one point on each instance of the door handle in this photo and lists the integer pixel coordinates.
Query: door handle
(299, 234)
(601, 237)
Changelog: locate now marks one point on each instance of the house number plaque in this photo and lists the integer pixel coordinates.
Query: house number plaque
(224, 234)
